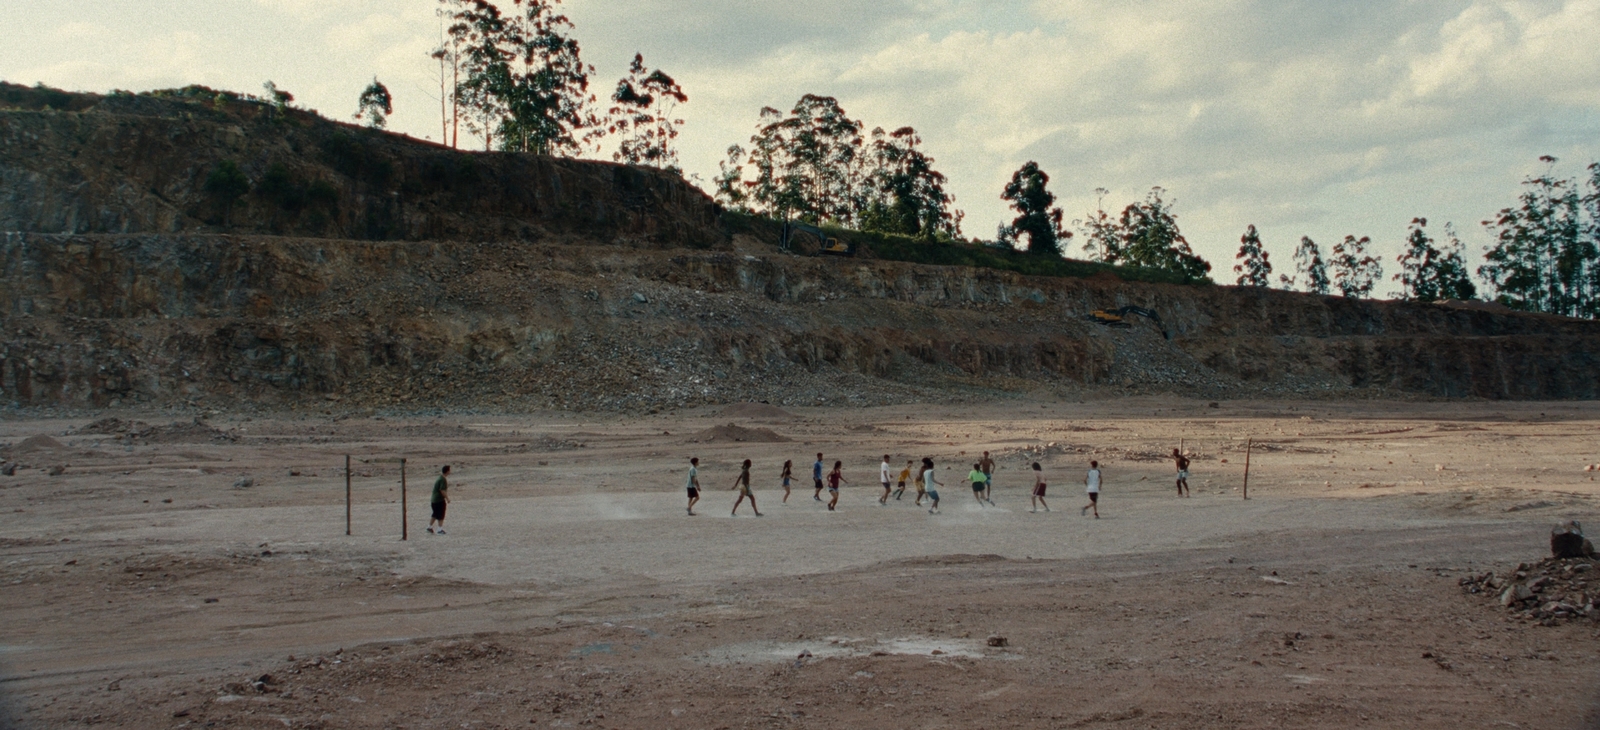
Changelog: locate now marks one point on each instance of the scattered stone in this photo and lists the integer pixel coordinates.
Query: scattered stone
(56, 470)
(997, 640)
(1547, 592)
(10, 470)
(243, 483)
(1567, 541)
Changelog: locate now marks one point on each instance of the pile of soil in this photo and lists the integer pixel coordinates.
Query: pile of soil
(731, 432)
(34, 444)
(196, 431)
(754, 410)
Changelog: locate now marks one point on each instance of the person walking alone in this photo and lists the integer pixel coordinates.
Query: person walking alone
(439, 501)
(1092, 481)
(694, 483)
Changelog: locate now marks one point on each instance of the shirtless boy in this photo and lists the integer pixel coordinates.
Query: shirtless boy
(1183, 472)
(742, 483)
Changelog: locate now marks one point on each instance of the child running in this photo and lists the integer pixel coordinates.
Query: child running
(834, 478)
(986, 465)
(883, 476)
(788, 474)
(922, 486)
(1038, 489)
(930, 483)
(694, 483)
(742, 483)
(904, 475)
(980, 482)
(1093, 482)
(816, 476)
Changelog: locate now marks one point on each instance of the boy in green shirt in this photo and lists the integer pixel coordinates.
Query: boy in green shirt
(980, 482)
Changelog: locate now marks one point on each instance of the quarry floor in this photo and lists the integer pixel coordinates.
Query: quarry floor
(146, 587)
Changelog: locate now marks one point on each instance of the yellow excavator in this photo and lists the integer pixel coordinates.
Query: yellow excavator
(812, 236)
(1118, 318)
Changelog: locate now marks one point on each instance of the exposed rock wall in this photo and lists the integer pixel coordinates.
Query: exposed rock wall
(92, 319)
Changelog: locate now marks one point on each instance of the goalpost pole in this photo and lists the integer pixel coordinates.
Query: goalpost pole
(403, 521)
(347, 497)
(1248, 445)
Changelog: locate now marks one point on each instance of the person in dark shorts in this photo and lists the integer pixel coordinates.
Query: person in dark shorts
(1038, 489)
(980, 482)
(787, 476)
(816, 476)
(905, 474)
(834, 478)
(694, 483)
(1183, 472)
(742, 483)
(986, 465)
(440, 500)
(1092, 481)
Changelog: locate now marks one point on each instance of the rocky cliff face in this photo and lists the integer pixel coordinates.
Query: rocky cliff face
(340, 263)
(98, 319)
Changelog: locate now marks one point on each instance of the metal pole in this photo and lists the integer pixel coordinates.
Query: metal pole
(1248, 444)
(347, 494)
(403, 535)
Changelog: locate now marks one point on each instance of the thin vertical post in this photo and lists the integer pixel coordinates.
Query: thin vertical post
(403, 523)
(346, 494)
(1248, 444)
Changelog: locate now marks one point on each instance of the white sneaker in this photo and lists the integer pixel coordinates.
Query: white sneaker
(440, 531)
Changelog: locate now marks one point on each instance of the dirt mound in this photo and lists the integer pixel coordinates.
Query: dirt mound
(196, 431)
(754, 410)
(38, 443)
(731, 432)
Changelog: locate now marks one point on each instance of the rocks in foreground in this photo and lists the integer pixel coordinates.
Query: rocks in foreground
(1549, 592)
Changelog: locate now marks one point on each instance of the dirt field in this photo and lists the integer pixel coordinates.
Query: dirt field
(147, 587)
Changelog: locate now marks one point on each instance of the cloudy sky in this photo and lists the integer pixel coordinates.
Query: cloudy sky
(1303, 117)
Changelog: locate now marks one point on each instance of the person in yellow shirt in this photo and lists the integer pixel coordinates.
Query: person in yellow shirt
(904, 475)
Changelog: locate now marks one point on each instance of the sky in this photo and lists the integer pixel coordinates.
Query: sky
(1320, 118)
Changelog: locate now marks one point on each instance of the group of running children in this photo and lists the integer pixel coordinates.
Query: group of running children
(922, 478)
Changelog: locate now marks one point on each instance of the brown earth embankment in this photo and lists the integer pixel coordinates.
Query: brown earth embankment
(101, 319)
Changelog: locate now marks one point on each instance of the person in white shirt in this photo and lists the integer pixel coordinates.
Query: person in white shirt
(931, 485)
(694, 483)
(1092, 480)
(883, 476)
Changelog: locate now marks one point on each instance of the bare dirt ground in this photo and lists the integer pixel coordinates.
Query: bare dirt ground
(143, 589)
